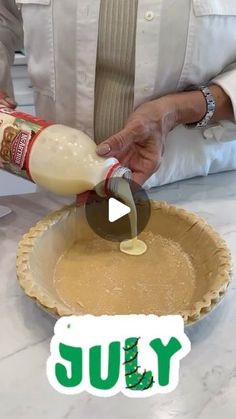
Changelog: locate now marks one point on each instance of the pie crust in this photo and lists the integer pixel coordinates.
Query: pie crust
(42, 247)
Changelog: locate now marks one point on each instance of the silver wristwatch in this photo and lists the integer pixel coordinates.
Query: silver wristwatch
(211, 106)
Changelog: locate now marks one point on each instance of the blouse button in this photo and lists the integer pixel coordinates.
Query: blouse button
(149, 15)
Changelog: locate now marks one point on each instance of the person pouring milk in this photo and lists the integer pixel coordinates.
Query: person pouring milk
(153, 82)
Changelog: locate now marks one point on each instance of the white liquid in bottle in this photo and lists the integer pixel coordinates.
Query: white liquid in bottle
(56, 157)
(63, 160)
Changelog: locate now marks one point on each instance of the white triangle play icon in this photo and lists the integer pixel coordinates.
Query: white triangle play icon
(117, 210)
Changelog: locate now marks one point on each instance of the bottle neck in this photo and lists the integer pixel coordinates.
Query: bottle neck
(116, 172)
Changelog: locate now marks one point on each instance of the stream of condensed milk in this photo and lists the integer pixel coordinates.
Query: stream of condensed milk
(134, 247)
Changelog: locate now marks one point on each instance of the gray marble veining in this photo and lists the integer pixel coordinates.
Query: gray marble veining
(208, 375)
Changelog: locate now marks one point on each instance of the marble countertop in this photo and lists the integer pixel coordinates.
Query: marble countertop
(208, 375)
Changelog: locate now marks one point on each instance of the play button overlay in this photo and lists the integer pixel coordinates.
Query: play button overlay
(109, 217)
(117, 210)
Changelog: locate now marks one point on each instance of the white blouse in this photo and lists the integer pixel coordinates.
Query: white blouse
(179, 43)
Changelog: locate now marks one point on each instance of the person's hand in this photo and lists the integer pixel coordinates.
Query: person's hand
(6, 102)
(141, 144)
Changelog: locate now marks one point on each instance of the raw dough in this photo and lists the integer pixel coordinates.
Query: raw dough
(188, 278)
(94, 277)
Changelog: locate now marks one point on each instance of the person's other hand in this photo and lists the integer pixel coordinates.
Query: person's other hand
(6, 102)
(141, 144)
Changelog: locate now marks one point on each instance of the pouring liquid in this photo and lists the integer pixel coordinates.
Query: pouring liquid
(134, 247)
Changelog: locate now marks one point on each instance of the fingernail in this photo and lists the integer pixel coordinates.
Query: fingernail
(103, 149)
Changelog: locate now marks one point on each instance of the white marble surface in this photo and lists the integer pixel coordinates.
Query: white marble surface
(208, 375)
